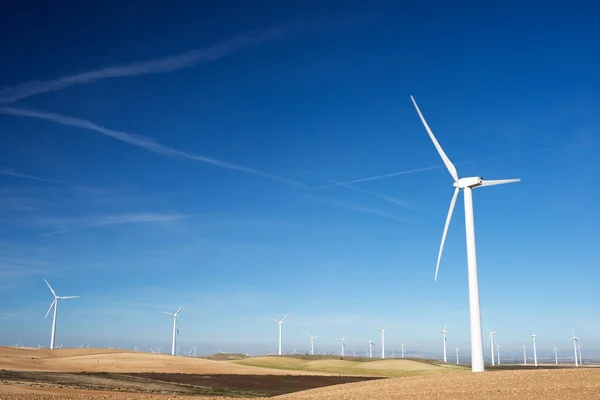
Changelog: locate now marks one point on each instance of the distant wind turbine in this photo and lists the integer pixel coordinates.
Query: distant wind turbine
(524, 355)
(312, 343)
(383, 340)
(55, 305)
(343, 339)
(555, 355)
(457, 355)
(534, 349)
(280, 323)
(444, 331)
(175, 329)
(371, 344)
(574, 339)
(402, 349)
(491, 342)
(498, 355)
(466, 184)
(578, 348)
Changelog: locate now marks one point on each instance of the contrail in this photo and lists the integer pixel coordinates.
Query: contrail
(123, 219)
(35, 178)
(380, 196)
(413, 171)
(157, 66)
(139, 141)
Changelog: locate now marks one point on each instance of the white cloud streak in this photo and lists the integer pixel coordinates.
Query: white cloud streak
(157, 66)
(32, 177)
(121, 219)
(138, 141)
(359, 208)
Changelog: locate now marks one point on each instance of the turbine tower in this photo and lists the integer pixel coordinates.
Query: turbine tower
(534, 349)
(555, 355)
(402, 349)
(55, 305)
(491, 342)
(383, 340)
(444, 331)
(280, 323)
(175, 329)
(574, 339)
(524, 355)
(312, 343)
(457, 355)
(343, 339)
(371, 344)
(498, 355)
(467, 185)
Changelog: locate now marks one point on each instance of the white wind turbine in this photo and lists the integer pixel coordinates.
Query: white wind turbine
(55, 305)
(578, 348)
(444, 331)
(383, 340)
(343, 339)
(575, 340)
(491, 342)
(312, 343)
(498, 355)
(466, 184)
(175, 329)
(524, 355)
(402, 349)
(371, 344)
(280, 323)
(555, 355)
(457, 362)
(534, 349)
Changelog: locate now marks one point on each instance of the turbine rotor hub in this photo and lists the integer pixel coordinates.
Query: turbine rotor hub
(468, 182)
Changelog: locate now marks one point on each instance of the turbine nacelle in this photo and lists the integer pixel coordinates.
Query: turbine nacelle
(468, 182)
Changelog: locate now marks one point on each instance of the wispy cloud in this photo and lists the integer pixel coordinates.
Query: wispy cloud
(32, 177)
(157, 66)
(358, 207)
(121, 219)
(139, 141)
(389, 199)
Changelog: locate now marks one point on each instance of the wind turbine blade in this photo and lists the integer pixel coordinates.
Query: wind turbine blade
(50, 287)
(177, 331)
(448, 219)
(179, 309)
(166, 313)
(447, 162)
(288, 314)
(51, 304)
(497, 182)
(274, 320)
(68, 297)
(488, 329)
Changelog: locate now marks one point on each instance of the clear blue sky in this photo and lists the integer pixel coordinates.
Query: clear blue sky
(281, 99)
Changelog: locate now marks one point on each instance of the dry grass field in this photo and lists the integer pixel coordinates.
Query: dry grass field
(32, 374)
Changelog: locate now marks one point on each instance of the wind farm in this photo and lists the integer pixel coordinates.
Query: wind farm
(252, 200)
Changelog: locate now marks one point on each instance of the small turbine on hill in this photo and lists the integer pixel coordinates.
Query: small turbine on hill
(444, 331)
(175, 329)
(457, 362)
(371, 344)
(312, 343)
(383, 340)
(280, 323)
(534, 349)
(402, 349)
(343, 339)
(491, 342)
(498, 355)
(575, 340)
(467, 185)
(55, 305)
(555, 355)
(524, 355)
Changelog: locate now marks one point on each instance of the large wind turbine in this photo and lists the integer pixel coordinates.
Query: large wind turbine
(175, 329)
(575, 340)
(383, 340)
(491, 342)
(312, 343)
(444, 331)
(534, 349)
(55, 305)
(467, 185)
(280, 323)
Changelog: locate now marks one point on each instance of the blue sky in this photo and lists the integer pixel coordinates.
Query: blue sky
(162, 154)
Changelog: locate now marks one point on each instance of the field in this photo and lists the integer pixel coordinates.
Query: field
(112, 374)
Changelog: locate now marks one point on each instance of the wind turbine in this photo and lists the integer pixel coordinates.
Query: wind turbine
(383, 340)
(491, 342)
(467, 185)
(371, 344)
(534, 349)
(524, 355)
(457, 355)
(578, 348)
(280, 323)
(575, 340)
(55, 305)
(175, 329)
(402, 349)
(444, 331)
(555, 355)
(498, 355)
(343, 339)
(312, 343)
